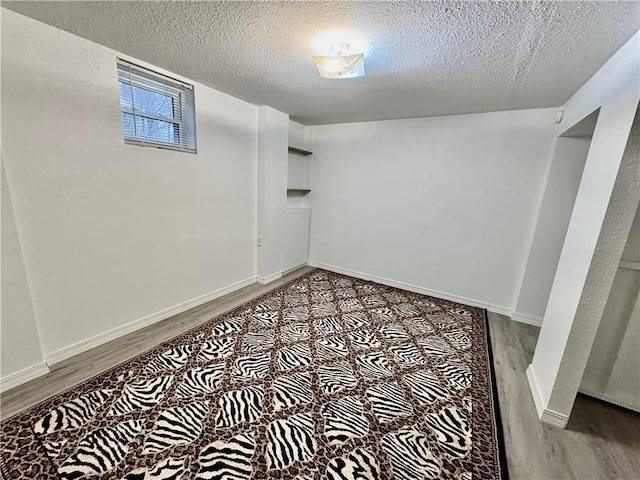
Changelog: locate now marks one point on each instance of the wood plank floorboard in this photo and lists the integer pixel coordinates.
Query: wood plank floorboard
(601, 441)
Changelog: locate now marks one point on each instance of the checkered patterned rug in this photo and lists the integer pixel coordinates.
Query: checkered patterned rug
(326, 377)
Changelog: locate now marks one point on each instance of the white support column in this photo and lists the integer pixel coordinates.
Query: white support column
(273, 136)
(600, 222)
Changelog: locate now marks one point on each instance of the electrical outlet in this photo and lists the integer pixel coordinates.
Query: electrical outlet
(259, 241)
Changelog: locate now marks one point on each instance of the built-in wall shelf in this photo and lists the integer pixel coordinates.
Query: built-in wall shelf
(299, 151)
(299, 178)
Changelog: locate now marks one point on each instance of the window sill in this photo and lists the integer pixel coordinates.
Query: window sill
(164, 146)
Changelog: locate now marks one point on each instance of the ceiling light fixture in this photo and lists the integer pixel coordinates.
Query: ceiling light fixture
(341, 63)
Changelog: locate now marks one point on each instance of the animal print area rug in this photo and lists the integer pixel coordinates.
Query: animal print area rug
(326, 377)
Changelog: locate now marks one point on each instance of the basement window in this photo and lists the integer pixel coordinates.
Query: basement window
(157, 111)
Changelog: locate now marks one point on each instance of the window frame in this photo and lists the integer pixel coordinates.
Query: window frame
(169, 87)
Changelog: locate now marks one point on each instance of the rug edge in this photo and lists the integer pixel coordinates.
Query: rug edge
(499, 433)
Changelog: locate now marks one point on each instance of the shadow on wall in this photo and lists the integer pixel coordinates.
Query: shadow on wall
(21, 349)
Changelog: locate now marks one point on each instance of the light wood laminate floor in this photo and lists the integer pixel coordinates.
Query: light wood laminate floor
(600, 442)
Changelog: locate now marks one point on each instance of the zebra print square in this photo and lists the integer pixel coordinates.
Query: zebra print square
(359, 464)
(344, 419)
(460, 340)
(230, 460)
(336, 377)
(230, 325)
(268, 304)
(101, 450)
(290, 440)
(350, 305)
(296, 314)
(374, 366)
(73, 414)
(170, 360)
(176, 426)
(383, 314)
(320, 286)
(457, 373)
(435, 347)
(294, 357)
(331, 347)
(140, 395)
(341, 282)
(364, 340)
(388, 402)
(426, 387)
(239, 406)
(452, 429)
(355, 320)
(442, 321)
(393, 333)
(323, 296)
(418, 326)
(407, 355)
(323, 309)
(327, 326)
(295, 300)
(365, 289)
(408, 450)
(291, 390)
(298, 287)
(371, 301)
(266, 319)
(294, 332)
(200, 381)
(406, 310)
(345, 293)
(216, 349)
(251, 368)
(258, 341)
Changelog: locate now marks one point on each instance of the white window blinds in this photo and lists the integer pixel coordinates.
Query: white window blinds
(156, 110)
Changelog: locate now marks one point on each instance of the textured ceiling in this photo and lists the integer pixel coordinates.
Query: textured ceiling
(424, 58)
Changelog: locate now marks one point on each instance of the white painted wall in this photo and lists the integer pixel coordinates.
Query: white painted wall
(605, 204)
(613, 369)
(21, 354)
(300, 136)
(114, 234)
(562, 184)
(442, 205)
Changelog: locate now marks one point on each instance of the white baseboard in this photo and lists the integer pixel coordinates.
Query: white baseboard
(544, 414)
(23, 376)
(528, 319)
(102, 338)
(535, 390)
(268, 278)
(414, 288)
(554, 419)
